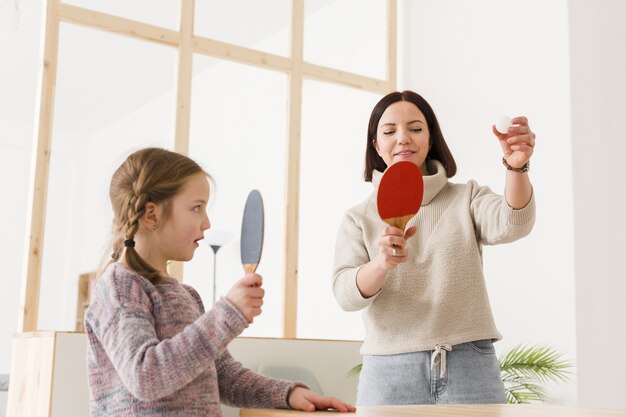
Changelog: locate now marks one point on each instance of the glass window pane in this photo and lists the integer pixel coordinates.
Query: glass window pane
(113, 95)
(19, 45)
(238, 134)
(334, 130)
(260, 25)
(162, 13)
(359, 47)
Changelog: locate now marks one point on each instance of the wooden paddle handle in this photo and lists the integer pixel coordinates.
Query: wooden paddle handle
(399, 222)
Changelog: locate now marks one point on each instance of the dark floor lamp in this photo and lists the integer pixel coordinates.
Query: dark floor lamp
(216, 239)
(215, 249)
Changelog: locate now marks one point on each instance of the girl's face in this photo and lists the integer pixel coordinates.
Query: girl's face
(402, 135)
(178, 236)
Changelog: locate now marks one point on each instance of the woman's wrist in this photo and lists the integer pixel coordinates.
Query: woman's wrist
(370, 278)
(524, 168)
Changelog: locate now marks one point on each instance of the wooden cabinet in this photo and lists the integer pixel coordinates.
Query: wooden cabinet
(85, 284)
(48, 375)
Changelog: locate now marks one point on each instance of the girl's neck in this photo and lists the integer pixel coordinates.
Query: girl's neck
(150, 254)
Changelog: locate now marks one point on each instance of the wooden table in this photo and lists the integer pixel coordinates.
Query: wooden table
(499, 410)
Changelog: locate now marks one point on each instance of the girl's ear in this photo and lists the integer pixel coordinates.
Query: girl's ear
(150, 215)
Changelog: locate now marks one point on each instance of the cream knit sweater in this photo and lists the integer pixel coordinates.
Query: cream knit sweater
(439, 295)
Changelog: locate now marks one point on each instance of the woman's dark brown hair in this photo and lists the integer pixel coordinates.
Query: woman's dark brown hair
(438, 150)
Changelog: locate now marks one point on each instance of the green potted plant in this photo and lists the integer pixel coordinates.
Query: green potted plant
(524, 370)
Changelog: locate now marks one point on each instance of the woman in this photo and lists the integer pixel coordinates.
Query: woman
(429, 326)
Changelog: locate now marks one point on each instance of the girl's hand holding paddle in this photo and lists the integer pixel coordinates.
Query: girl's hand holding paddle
(247, 295)
(392, 248)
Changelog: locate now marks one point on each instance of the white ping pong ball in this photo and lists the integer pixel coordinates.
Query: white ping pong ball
(503, 123)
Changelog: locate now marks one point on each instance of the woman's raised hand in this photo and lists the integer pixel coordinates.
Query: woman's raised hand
(517, 143)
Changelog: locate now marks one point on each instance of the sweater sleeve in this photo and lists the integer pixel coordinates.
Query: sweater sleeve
(150, 369)
(350, 255)
(495, 221)
(241, 387)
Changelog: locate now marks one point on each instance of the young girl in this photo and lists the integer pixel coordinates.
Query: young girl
(153, 350)
(429, 327)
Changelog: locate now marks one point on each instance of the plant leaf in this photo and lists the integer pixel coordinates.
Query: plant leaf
(524, 393)
(356, 370)
(535, 363)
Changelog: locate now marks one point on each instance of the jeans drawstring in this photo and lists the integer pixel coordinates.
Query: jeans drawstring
(439, 355)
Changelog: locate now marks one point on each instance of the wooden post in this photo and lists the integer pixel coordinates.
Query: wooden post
(183, 97)
(86, 282)
(290, 315)
(40, 160)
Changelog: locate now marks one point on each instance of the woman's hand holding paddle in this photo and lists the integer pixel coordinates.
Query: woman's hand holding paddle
(399, 198)
(392, 249)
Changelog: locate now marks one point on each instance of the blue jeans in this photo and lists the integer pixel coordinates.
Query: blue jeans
(471, 376)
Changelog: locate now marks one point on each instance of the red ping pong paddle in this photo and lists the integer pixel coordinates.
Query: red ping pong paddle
(400, 193)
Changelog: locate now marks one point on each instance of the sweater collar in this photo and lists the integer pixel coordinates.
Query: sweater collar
(433, 183)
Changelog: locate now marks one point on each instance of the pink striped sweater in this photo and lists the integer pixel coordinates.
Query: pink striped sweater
(153, 351)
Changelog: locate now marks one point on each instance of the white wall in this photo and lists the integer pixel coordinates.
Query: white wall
(473, 61)
(598, 85)
(564, 284)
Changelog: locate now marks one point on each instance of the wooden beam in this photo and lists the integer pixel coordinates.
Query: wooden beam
(40, 166)
(292, 198)
(240, 54)
(119, 25)
(346, 79)
(184, 73)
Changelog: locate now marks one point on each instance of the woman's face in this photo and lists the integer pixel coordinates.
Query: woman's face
(402, 135)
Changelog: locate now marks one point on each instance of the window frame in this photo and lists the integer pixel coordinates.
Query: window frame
(55, 13)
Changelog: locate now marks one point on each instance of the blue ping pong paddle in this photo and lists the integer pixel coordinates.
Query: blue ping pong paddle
(252, 232)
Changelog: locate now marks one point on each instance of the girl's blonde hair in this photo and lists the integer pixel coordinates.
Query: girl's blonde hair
(148, 175)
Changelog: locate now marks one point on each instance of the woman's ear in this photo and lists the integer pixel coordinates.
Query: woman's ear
(375, 145)
(150, 215)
